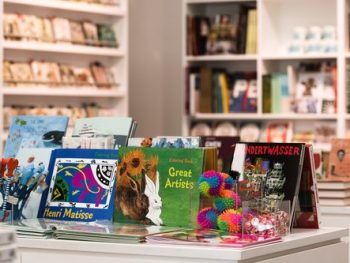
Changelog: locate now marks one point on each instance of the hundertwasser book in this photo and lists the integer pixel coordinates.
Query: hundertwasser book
(158, 185)
(270, 171)
(35, 132)
(81, 185)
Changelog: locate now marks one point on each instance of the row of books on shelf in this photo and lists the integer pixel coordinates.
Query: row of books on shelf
(234, 33)
(40, 73)
(25, 27)
(320, 132)
(310, 89)
(74, 112)
(156, 186)
(216, 91)
(101, 2)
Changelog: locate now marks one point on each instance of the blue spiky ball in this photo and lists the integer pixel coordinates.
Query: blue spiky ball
(207, 218)
(210, 183)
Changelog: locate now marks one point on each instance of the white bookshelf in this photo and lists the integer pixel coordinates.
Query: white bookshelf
(115, 98)
(276, 20)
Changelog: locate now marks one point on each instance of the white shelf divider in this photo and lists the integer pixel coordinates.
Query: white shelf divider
(71, 6)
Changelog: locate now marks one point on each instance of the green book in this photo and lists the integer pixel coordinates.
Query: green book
(276, 93)
(158, 185)
(267, 94)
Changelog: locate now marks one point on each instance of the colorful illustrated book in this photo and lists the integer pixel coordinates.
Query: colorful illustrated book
(225, 146)
(210, 237)
(120, 127)
(339, 160)
(307, 209)
(28, 184)
(81, 185)
(158, 185)
(176, 142)
(270, 171)
(35, 132)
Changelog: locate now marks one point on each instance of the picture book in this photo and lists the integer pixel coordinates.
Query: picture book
(158, 185)
(25, 189)
(339, 160)
(210, 237)
(307, 209)
(176, 142)
(225, 146)
(81, 185)
(270, 171)
(278, 132)
(35, 132)
(120, 127)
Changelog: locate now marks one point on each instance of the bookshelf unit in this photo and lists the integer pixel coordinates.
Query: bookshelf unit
(275, 22)
(114, 98)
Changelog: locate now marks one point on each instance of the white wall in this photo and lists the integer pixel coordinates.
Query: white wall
(155, 66)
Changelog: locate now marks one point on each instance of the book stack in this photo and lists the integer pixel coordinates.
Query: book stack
(334, 193)
(7, 245)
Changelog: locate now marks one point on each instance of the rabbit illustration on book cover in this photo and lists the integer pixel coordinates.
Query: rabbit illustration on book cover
(155, 202)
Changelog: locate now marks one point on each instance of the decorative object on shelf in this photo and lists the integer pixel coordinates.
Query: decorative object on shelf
(201, 129)
(225, 129)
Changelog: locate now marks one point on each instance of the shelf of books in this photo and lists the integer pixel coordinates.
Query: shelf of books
(65, 56)
(252, 69)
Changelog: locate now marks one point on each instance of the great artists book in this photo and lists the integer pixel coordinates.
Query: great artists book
(273, 172)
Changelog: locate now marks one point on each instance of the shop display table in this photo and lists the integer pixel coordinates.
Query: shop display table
(304, 245)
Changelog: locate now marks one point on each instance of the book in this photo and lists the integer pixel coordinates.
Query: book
(277, 168)
(267, 96)
(119, 127)
(335, 201)
(307, 213)
(176, 142)
(333, 185)
(206, 90)
(251, 32)
(339, 160)
(81, 185)
(224, 144)
(209, 237)
(334, 193)
(158, 185)
(35, 132)
(27, 186)
(278, 131)
(7, 236)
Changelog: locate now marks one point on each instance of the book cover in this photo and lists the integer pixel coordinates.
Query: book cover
(81, 185)
(206, 90)
(308, 211)
(225, 146)
(269, 170)
(176, 142)
(119, 127)
(35, 132)
(339, 160)
(27, 186)
(158, 186)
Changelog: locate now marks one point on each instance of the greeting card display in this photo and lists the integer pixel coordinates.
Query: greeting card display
(81, 185)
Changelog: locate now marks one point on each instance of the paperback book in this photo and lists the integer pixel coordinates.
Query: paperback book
(158, 185)
(339, 160)
(35, 132)
(81, 185)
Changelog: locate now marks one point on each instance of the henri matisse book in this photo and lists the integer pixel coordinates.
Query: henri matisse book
(269, 170)
(35, 132)
(339, 160)
(25, 189)
(119, 127)
(158, 185)
(81, 185)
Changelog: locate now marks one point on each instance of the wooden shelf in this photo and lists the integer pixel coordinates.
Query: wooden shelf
(299, 56)
(62, 48)
(238, 57)
(64, 92)
(71, 6)
(255, 116)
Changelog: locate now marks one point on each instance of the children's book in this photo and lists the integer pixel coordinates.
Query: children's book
(210, 237)
(158, 185)
(120, 127)
(35, 132)
(176, 142)
(81, 185)
(225, 146)
(270, 171)
(25, 189)
(339, 160)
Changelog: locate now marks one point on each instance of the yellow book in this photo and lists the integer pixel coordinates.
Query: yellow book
(224, 92)
(251, 32)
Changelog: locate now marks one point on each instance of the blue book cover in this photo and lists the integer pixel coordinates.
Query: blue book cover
(81, 185)
(35, 132)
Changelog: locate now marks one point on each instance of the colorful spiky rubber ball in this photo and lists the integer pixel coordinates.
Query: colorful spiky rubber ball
(228, 182)
(207, 218)
(210, 183)
(230, 221)
(227, 200)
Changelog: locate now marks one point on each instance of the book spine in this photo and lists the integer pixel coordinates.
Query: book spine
(267, 94)
(206, 90)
